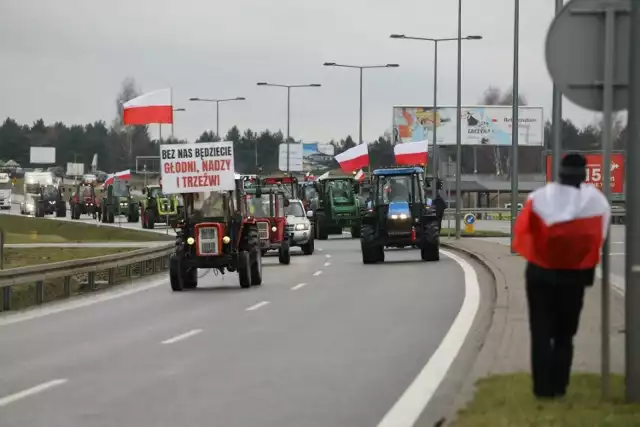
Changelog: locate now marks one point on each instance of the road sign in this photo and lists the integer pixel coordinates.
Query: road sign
(469, 223)
(575, 52)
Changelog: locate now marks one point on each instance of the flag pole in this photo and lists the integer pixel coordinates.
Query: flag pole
(171, 102)
(160, 131)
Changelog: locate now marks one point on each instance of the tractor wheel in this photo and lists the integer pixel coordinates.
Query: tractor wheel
(430, 252)
(112, 218)
(175, 277)
(61, 211)
(308, 247)
(149, 219)
(355, 231)
(255, 257)
(190, 278)
(371, 252)
(244, 269)
(322, 232)
(284, 253)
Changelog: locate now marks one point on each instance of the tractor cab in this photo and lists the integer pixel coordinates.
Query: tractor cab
(83, 201)
(307, 192)
(216, 232)
(337, 207)
(267, 206)
(51, 201)
(158, 207)
(287, 184)
(399, 215)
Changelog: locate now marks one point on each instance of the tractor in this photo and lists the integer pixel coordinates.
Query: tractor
(399, 216)
(116, 201)
(336, 207)
(216, 232)
(287, 184)
(84, 202)
(267, 206)
(51, 201)
(158, 208)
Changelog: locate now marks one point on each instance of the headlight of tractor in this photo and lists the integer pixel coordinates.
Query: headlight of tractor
(274, 229)
(190, 241)
(302, 226)
(226, 240)
(401, 216)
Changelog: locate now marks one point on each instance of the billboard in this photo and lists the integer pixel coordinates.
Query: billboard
(42, 155)
(295, 157)
(481, 125)
(594, 171)
(318, 156)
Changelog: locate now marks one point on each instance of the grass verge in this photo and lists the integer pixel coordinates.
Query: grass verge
(478, 233)
(22, 257)
(20, 229)
(507, 400)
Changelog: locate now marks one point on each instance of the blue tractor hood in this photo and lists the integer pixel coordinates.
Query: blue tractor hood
(399, 208)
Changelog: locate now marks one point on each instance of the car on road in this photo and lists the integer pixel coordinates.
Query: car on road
(299, 228)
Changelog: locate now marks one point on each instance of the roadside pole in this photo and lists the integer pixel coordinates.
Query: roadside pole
(632, 236)
(514, 121)
(1, 249)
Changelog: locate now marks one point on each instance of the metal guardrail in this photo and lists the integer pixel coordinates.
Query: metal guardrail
(502, 214)
(26, 286)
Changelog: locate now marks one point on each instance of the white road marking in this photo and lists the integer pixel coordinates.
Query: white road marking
(78, 302)
(328, 256)
(4, 401)
(182, 336)
(317, 273)
(298, 286)
(327, 264)
(408, 408)
(320, 249)
(257, 306)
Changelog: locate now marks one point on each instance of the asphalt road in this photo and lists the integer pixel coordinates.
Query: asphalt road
(324, 342)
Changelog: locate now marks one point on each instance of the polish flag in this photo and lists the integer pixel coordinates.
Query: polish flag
(354, 158)
(411, 153)
(360, 176)
(562, 227)
(150, 108)
(123, 175)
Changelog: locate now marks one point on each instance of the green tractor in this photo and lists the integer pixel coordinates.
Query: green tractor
(116, 201)
(158, 208)
(336, 207)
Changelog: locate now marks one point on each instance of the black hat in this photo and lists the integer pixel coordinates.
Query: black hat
(573, 165)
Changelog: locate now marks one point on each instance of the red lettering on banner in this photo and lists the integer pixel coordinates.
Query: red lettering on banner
(216, 165)
(181, 167)
(200, 181)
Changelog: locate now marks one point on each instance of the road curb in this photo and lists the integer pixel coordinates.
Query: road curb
(494, 337)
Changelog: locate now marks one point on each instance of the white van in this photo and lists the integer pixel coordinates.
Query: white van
(5, 191)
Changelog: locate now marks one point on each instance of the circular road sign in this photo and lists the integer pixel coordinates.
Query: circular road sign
(575, 52)
(469, 219)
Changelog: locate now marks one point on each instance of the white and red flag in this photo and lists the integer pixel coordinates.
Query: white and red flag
(360, 176)
(150, 108)
(354, 158)
(411, 153)
(123, 175)
(563, 227)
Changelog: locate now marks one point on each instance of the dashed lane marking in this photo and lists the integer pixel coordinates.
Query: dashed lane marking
(257, 306)
(182, 336)
(4, 401)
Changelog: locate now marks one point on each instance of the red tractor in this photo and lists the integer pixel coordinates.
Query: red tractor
(217, 233)
(287, 184)
(267, 206)
(84, 202)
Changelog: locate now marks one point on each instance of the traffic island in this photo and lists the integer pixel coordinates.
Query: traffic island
(498, 392)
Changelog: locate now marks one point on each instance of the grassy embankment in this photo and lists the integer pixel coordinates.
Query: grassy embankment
(507, 400)
(18, 230)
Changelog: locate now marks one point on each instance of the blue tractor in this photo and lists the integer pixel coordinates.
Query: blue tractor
(399, 214)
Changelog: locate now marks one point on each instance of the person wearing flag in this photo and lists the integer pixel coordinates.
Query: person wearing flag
(560, 232)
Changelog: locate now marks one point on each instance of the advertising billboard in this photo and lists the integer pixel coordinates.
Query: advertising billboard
(42, 155)
(318, 156)
(295, 157)
(594, 171)
(481, 125)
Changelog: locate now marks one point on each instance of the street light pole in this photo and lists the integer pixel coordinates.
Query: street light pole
(434, 120)
(556, 123)
(459, 124)
(217, 102)
(361, 68)
(288, 87)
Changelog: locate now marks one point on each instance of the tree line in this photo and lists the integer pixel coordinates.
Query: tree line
(117, 145)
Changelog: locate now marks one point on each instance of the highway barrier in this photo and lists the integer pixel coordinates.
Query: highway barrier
(37, 284)
(504, 214)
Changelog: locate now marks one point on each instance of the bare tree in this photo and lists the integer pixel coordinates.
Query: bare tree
(128, 91)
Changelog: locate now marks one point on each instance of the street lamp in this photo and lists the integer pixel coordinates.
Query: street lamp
(288, 87)
(435, 95)
(360, 67)
(218, 101)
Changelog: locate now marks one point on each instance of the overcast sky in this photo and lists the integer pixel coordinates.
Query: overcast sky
(64, 60)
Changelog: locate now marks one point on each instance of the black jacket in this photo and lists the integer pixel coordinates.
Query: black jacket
(440, 206)
(537, 274)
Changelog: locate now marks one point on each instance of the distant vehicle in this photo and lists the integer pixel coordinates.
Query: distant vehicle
(89, 178)
(299, 228)
(33, 183)
(5, 191)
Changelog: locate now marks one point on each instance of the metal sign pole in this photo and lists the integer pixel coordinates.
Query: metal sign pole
(1, 249)
(632, 235)
(557, 123)
(514, 121)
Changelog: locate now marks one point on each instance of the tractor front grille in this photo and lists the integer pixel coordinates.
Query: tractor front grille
(263, 230)
(208, 241)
